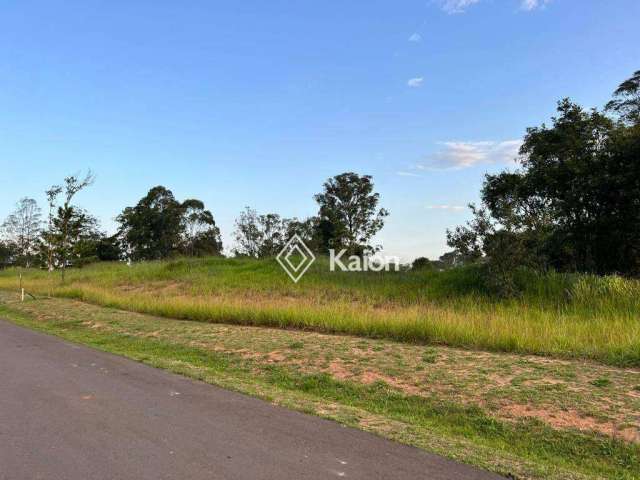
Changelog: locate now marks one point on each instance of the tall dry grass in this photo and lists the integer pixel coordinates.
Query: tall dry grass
(559, 315)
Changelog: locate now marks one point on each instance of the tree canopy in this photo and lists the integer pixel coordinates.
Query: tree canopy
(349, 216)
(574, 203)
(260, 236)
(22, 228)
(626, 100)
(160, 226)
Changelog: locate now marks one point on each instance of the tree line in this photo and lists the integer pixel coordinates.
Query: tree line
(572, 205)
(159, 226)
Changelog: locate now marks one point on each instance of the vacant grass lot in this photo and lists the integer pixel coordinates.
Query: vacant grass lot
(569, 316)
(531, 417)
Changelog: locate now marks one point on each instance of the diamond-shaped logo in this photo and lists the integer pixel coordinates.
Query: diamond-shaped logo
(295, 258)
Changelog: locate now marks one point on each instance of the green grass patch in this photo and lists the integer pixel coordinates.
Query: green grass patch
(429, 355)
(561, 315)
(601, 382)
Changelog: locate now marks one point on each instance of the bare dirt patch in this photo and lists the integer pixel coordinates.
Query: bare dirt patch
(339, 371)
(275, 357)
(371, 376)
(563, 419)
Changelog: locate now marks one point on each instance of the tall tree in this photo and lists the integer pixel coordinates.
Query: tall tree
(573, 206)
(68, 222)
(152, 229)
(260, 236)
(159, 226)
(349, 212)
(22, 228)
(201, 235)
(48, 236)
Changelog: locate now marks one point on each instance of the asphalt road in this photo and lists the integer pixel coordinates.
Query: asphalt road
(68, 412)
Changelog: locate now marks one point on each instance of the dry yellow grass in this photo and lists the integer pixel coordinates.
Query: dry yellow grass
(560, 316)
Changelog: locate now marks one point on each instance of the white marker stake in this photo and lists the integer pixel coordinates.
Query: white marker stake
(22, 298)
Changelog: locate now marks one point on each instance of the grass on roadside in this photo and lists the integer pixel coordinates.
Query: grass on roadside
(570, 316)
(444, 400)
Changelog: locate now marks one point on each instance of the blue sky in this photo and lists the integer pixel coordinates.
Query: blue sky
(256, 103)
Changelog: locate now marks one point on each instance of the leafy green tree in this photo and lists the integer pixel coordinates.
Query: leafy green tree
(422, 263)
(84, 238)
(451, 259)
(81, 239)
(109, 249)
(574, 205)
(626, 100)
(159, 226)
(206, 243)
(349, 216)
(311, 231)
(153, 229)
(7, 254)
(22, 228)
(260, 236)
(201, 235)
(68, 222)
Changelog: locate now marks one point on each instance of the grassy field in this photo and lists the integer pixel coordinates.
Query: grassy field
(570, 316)
(526, 416)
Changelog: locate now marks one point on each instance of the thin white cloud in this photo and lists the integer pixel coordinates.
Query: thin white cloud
(450, 208)
(456, 6)
(460, 6)
(415, 38)
(415, 82)
(408, 174)
(460, 155)
(529, 5)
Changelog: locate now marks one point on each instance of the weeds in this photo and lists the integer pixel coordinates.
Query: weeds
(563, 315)
(601, 382)
(429, 356)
